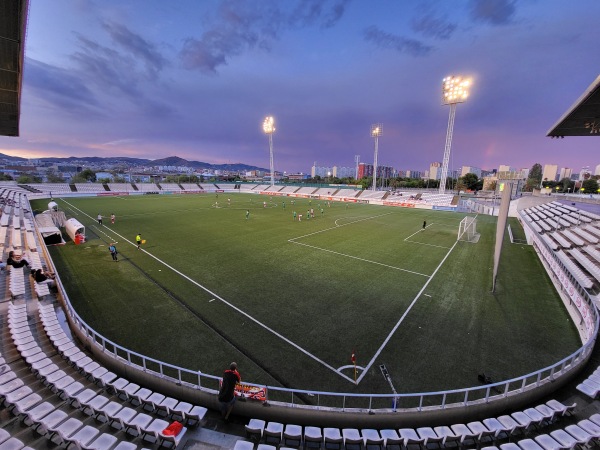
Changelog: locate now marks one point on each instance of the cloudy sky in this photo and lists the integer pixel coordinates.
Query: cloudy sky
(195, 79)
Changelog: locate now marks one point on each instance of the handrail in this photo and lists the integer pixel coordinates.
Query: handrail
(341, 401)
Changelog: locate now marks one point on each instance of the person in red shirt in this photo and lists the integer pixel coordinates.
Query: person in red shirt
(231, 377)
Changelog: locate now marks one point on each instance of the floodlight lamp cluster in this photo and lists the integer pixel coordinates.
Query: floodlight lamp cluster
(269, 125)
(376, 130)
(455, 89)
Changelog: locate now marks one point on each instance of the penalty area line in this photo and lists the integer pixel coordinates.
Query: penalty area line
(389, 336)
(359, 259)
(338, 226)
(235, 308)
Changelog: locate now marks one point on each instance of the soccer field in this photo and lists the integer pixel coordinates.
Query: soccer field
(291, 301)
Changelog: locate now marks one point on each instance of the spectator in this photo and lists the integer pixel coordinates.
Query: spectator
(41, 277)
(231, 377)
(16, 261)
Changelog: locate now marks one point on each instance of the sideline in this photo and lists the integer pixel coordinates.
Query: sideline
(249, 317)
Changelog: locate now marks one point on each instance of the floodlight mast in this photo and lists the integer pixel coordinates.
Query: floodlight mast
(454, 90)
(269, 129)
(376, 130)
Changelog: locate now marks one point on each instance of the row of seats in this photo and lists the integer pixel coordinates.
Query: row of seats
(591, 385)
(44, 417)
(458, 434)
(51, 421)
(158, 402)
(585, 433)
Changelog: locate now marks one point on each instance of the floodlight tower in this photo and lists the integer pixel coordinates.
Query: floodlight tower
(455, 89)
(269, 129)
(376, 130)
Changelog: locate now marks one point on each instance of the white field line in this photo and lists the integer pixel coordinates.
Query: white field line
(359, 259)
(338, 226)
(389, 336)
(417, 232)
(293, 344)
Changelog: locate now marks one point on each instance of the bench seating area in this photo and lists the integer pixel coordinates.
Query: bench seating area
(572, 235)
(76, 407)
(269, 436)
(191, 187)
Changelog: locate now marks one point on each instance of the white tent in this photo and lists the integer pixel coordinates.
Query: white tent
(48, 229)
(73, 228)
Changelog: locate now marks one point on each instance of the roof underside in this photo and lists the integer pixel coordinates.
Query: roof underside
(583, 118)
(13, 20)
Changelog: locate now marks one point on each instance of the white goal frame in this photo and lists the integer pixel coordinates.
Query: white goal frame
(467, 230)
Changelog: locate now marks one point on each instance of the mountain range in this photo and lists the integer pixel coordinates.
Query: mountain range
(132, 162)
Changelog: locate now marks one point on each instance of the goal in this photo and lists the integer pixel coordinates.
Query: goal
(467, 230)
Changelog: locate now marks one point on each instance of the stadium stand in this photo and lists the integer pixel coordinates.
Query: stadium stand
(92, 188)
(53, 188)
(191, 187)
(120, 187)
(170, 187)
(306, 190)
(147, 187)
(245, 187)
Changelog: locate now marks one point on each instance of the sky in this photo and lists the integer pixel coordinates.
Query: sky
(195, 79)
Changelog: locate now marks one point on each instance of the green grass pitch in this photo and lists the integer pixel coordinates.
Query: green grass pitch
(290, 301)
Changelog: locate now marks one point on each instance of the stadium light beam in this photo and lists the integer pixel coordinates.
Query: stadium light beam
(376, 131)
(269, 129)
(455, 89)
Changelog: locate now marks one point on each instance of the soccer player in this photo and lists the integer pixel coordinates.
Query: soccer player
(424, 224)
(112, 218)
(99, 219)
(294, 215)
(247, 214)
(283, 205)
(138, 240)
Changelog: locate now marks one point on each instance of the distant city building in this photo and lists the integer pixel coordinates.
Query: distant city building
(565, 172)
(524, 173)
(366, 170)
(505, 168)
(584, 173)
(414, 174)
(470, 169)
(321, 171)
(597, 171)
(435, 170)
(549, 172)
(344, 172)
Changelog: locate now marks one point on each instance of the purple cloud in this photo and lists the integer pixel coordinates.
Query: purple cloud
(60, 88)
(495, 12)
(136, 45)
(430, 26)
(383, 39)
(242, 26)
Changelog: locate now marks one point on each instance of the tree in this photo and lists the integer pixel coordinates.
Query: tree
(590, 186)
(26, 179)
(566, 185)
(535, 177)
(470, 180)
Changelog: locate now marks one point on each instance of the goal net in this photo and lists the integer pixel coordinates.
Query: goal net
(467, 230)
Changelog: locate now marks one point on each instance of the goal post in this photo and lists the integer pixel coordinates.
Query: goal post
(467, 230)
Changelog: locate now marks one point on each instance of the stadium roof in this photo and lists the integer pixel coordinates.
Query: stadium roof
(13, 21)
(583, 118)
